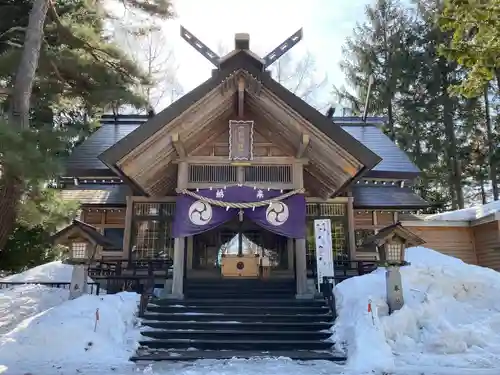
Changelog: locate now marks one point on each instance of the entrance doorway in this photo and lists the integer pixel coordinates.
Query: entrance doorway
(210, 247)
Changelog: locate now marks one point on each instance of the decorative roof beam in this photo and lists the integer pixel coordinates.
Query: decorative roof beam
(200, 47)
(304, 142)
(241, 97)
(283, 48)
(179, 146)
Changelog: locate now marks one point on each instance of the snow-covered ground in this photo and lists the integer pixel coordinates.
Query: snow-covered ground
(67, 334)
(451, 317)
(56, 272)
(450, 324)
(467, 214)
(24, 301)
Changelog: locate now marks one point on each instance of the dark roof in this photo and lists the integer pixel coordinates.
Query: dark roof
(84, 161)
(88, 231)
(240, 60)
(393, 229)
(395, 162)
(386, 196)
(97, 194)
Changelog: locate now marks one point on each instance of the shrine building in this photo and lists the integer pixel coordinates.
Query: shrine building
(227, 181)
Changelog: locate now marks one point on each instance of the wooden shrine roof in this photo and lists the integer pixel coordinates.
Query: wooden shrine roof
(85, 162)
(391, 230)
(365, 196)
(240, 60)
(371, 196)
(86, 231)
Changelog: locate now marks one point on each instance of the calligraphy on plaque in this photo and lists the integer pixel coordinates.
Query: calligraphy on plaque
(240, 140)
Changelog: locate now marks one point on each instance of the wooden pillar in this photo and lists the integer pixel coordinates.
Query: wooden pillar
(301, 267)
(350, 227)
(179, 242)
(300, 244)
(127, 236)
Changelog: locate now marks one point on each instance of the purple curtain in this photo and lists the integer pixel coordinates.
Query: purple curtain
(193, 216)
(286, 217)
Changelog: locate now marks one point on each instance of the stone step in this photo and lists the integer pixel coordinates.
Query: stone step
(256, 309)
(225, 290)
(246, 326)
(239, 317)
(182, 355)
(212, 344)
(240, 302)
(216, 294)
(236, 333)
(240, 282)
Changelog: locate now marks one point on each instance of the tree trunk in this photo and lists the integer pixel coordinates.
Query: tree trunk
(483, 192)
(18, 117)
(449, 126)
(491, 145)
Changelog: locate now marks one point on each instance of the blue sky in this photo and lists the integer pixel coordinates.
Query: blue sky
(326, 24)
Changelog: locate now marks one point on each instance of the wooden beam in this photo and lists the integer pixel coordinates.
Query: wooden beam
(272, 103)
(189, 119)
(178, 145)
(241, 97)
(304, 142)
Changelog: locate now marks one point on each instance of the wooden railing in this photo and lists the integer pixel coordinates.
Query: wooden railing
(140, 277)
(105, 269)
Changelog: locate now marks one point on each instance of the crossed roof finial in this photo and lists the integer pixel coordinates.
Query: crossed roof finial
(242, 42)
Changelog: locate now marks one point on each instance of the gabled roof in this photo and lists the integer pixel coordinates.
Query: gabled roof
(84, 161)
(240, 61)
(393, 230)
(86, 231)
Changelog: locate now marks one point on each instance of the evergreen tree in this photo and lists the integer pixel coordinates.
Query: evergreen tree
(378, 49)
(475, 25)
(79, 72)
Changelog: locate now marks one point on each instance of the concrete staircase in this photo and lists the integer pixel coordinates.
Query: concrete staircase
(222, 319)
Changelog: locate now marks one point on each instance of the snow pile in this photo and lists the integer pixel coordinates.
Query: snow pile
(56, 272)
(23, 301)
(65, 334)
(451, 316)
(467, 214)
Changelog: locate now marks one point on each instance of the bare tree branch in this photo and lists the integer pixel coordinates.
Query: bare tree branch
(301, 77)
(148, 47)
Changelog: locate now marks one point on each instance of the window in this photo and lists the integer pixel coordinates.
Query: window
(115, 235)
(339, 242)
(394, 252)
(147, 239)
(79, 250)
(151, 230)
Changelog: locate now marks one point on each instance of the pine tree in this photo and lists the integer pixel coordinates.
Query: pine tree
(475, 25)
(377, 48)
(79, 71)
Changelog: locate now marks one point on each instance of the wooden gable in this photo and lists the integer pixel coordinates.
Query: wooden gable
(148, 155)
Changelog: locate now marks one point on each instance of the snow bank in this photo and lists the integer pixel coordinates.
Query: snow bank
(65, 334)
(467, 214)
(23, 301)
(451, 316)
(56, 272)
